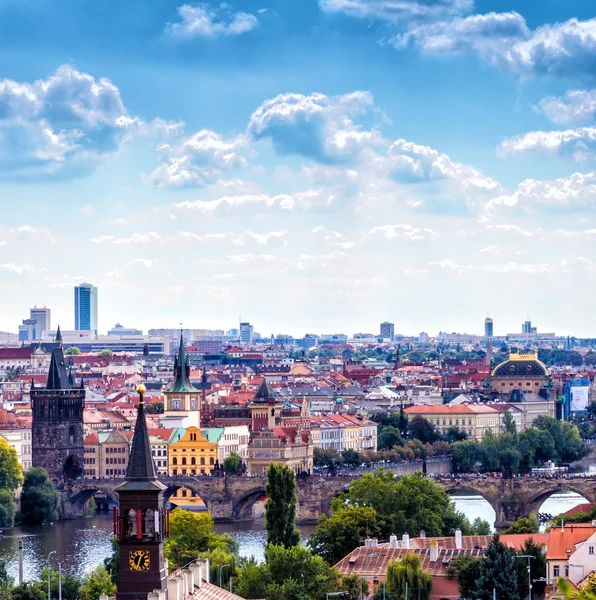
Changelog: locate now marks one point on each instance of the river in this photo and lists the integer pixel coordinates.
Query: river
(82, 544)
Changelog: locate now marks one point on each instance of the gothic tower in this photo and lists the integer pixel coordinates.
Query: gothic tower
(182, 400)
(141, 522)
(57, 427)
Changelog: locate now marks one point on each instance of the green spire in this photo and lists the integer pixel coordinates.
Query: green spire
(182, 382)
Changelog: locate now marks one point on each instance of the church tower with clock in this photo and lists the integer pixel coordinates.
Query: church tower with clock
(182, 400)
(141, 522)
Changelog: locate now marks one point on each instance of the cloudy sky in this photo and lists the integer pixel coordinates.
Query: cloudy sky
(308, 165)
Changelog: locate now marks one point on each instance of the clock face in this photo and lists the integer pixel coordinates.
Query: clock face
(176, 404)
(138, 560)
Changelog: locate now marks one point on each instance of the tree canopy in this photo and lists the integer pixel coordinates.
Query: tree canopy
(11, 472)
(406, 580)
(280, 506)
(39, 498)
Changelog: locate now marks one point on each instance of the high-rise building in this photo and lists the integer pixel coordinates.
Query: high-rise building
(527, 327)
(387, 330)
(246, 333)
(85, 305)
(488, 327)
(41, 315)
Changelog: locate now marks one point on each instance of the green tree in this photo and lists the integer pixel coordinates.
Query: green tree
(423, 430)
(497, 570)
(280, 506)
(408, 571)
(351, 458)
(39, 498)
(325, 457)
(6, 580)
(155, 408)
(336, 536)
(465, 455)
(112, 563)
(508, 423)
(7, 508)
(297, 574)
(106, 352)
(389, 437)
(29, 590)
(525, 525)
(455, 434)
(96, 583)
(70, 584)
(353, 586)
(466, 569)
(232, 464)
(252, 579)
(72, 351)
(537, 569)
(480, 527)
(11, 472)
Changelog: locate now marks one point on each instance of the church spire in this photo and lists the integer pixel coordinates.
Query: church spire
(58, 336)
(182, 371)
(140, 463)
(58, 377)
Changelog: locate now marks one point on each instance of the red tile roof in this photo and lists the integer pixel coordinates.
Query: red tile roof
(562, 540)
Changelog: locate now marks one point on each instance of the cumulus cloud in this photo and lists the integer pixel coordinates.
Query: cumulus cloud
(559, 49)
(397, 10)
(403, 232)
(204, 21)
(578, 143)
(576, 192)
(316, 126)
(486, 34)
(63, 125)
(574, 107)
(198, 160)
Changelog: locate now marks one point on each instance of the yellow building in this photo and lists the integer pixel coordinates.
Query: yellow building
(192, 454)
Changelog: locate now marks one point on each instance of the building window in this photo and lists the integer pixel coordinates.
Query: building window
(556, 571)
(566, 567)
(174, 461)
(202, 460)
(590, 549)
(184, 460)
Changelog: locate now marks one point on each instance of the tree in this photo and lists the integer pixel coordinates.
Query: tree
(105, 352)
(465, 455)
(480, 527)
(336, 536)
(408, 570)
(7, 508)
(11, 472)
(73, 351)
(389, 437)
(353, 586)
(252, 579)
(156, 408)
(497, 570)
(325, 457)
(29, 590)
(96, 583)
(508, 423)
(295, 574)
(423, 430)
(6, 580)
(525, 525)
(466, 569)
(455, 434)
(232, 464)
(191, 534)
(280, 506)
(351, 458)
(70, 584)
(39, 498)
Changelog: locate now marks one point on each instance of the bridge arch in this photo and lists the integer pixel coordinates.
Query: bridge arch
(535, 502)
(243, 507)
(190, 485)
(472, 490)
(80, 499)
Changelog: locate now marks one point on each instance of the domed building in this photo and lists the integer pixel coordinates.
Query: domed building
(521, 371)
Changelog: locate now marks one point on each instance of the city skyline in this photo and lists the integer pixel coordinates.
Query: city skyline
(313, 166)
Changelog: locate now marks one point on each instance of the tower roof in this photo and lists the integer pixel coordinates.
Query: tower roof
(265, 393)
(521, 363)
(182, 382)
(58, 335)
(140, 474)
(58, 377)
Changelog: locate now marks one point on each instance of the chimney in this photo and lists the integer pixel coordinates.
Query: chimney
(458, 540)
(205, 566)
(593, 522)
(434, 551)
(422, 534)
(371, 542)
(562, 525)
(405, 541)
(175, 588)
(393, 541)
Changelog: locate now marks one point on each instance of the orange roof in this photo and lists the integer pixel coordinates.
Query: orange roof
(585, 508)
(92, 438)
(562, 540)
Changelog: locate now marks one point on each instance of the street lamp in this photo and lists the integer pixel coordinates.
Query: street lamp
(529, 557)
(220, 572)
(49, 578)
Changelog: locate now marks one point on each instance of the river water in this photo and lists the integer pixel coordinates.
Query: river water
(82, 544)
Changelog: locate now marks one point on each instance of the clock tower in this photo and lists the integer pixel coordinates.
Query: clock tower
(182, 400)
(141, 522)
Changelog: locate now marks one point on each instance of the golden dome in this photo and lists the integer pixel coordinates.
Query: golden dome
(141, 389)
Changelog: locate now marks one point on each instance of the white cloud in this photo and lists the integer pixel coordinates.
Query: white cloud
(24, 269)
(576, 192)
(403, 232)
(283, 201)
(265, 238)
(575, 142)
(448, 264)
(316, 126)
(198, 160)
(559, 49)
(204, 21)
(575, 106)
(397, 10)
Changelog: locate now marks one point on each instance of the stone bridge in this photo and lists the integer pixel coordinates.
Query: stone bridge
(226, 498)
(518, 497)
(232, 498)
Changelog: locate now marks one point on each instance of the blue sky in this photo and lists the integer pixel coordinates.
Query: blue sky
(310, 165)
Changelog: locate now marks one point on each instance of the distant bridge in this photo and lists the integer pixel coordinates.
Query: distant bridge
(232, 498)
